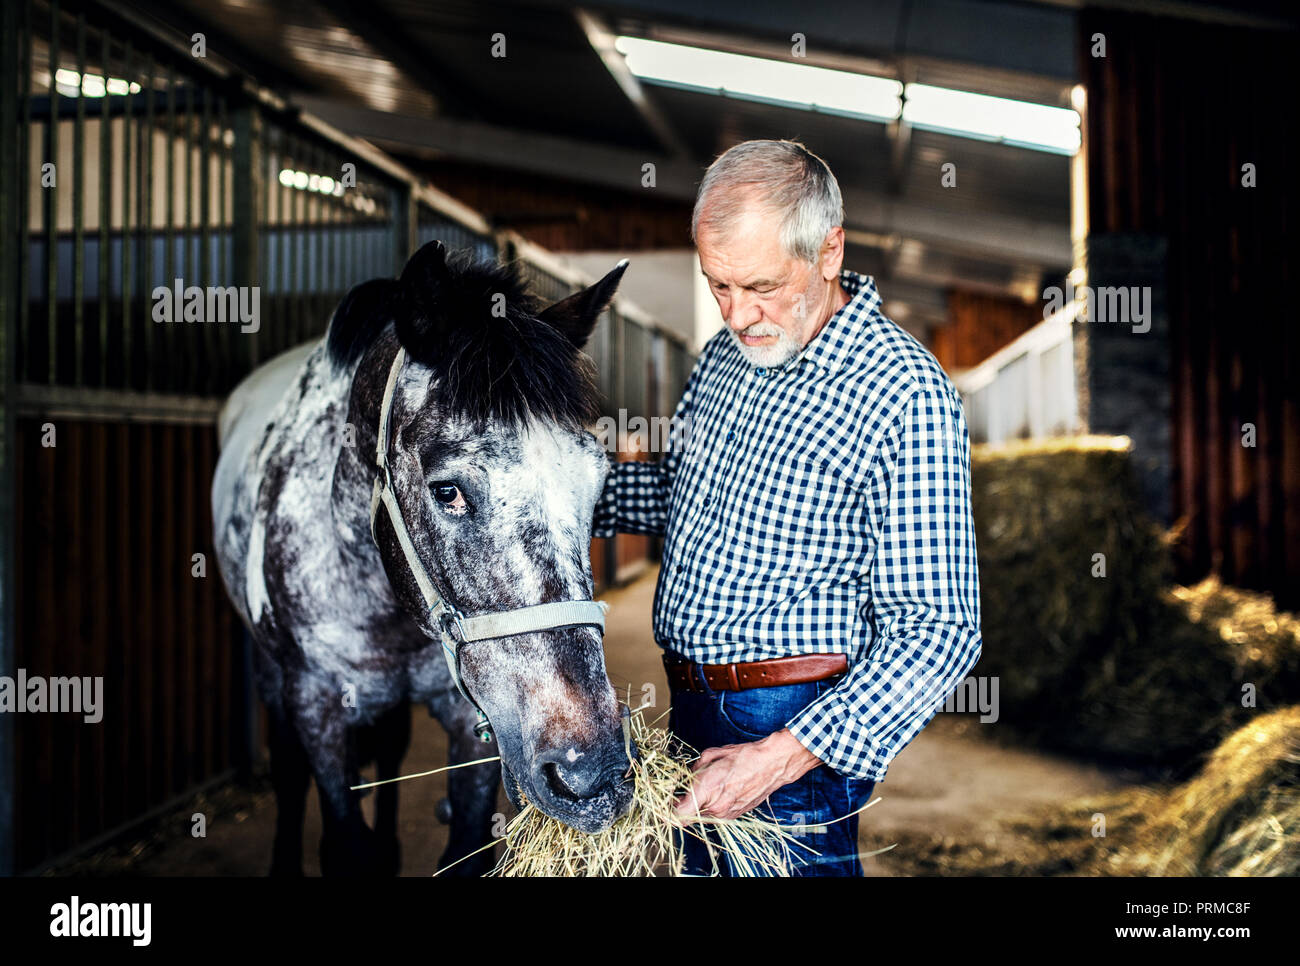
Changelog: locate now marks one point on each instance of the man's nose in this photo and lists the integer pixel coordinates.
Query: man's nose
(745, 311)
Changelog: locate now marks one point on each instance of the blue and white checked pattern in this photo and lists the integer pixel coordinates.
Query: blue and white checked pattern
(820, 507)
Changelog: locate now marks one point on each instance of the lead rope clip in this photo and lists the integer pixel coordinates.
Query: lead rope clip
(483, 728)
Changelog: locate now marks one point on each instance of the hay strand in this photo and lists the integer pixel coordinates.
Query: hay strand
(425, 774)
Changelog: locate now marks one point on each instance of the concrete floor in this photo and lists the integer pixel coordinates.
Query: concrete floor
(952, 781)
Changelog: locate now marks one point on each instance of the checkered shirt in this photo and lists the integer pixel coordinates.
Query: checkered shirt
(819, 507)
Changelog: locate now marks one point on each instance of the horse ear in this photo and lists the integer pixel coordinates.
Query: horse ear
(426, 271)
(424, 277)
(362, 313)
(576, 315)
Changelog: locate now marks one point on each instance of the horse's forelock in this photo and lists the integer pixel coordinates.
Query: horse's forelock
(492, 357)
(476, 326)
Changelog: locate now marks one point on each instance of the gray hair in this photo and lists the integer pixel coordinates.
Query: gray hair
(789, 181)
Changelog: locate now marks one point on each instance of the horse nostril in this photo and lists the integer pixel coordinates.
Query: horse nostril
(556, 783)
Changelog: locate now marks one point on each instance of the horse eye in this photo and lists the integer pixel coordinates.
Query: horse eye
(445, 492)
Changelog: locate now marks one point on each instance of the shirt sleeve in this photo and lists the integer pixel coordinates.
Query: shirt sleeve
(923, 594)
(637, 493)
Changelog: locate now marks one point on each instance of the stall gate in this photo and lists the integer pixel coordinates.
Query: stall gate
(127, 165)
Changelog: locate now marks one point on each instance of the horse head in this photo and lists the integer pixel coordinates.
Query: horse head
(479, 400)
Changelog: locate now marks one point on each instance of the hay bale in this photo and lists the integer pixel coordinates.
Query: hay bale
(1240, 816)
(1123, 666)
(1184, 688)
(1043, 510)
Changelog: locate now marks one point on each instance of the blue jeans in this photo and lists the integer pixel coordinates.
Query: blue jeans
(713, 718)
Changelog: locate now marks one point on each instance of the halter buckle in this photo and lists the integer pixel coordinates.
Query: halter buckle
(451, 625)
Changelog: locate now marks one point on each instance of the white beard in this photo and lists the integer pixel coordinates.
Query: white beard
(772, 356)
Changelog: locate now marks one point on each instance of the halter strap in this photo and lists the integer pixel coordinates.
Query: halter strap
(454, 628)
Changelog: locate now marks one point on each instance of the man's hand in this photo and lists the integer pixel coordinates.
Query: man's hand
(732, 779)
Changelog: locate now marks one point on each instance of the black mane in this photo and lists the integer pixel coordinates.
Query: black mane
(475, 324)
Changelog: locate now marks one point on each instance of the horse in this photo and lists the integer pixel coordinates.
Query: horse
(402, 514)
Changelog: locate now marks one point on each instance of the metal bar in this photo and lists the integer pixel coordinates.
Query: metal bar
(105, 207)
(318, 248)
(225, 363)
(12, 167)
(51, 203)
(352, 242)
(128, 240)
(164, 366)
(283, 223)
(189, 271)
(300, 239)
(78, 212)
(405, 220)
(211, 337)
(146, 222)
(23, 347)
(273, 160)
(282, 238)
(111, 405)
(246, 192)
(335, 236)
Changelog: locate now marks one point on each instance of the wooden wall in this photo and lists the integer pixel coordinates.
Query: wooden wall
(108, 519)
(979, 325)
(563, 215)
(1175, 109)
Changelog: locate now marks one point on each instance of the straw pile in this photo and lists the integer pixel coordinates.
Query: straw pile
(1214, 657)
(1119, 666)
(1239, 816)
(645, 841)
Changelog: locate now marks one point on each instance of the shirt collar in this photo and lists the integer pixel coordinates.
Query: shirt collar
(830, 348)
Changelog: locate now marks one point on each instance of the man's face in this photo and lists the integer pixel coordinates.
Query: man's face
(772, 303)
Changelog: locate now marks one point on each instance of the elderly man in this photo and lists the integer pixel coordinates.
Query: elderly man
(818, 597)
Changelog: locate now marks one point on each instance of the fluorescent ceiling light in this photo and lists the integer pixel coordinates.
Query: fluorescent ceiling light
(992, 118)
(305, 181)
(757, 78)
(71, 84)
(1021, 123)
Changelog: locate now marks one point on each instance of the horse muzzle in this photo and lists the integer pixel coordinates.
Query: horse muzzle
(584, 790)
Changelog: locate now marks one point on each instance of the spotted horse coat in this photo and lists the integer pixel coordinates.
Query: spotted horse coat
(496, 477)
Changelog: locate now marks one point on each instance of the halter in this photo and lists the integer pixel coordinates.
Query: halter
(455, 629)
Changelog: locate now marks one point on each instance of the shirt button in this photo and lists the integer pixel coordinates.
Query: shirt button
(708, 500)
(731, 435)
(760, 371)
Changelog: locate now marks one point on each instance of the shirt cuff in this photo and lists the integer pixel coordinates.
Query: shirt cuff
(831, 732)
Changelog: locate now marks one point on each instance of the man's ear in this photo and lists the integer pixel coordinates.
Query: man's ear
(832, 254)
(576, 315)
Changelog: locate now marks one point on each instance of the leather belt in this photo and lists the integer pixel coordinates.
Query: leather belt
(684, 675)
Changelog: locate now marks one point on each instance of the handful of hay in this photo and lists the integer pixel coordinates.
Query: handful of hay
(647, 840)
